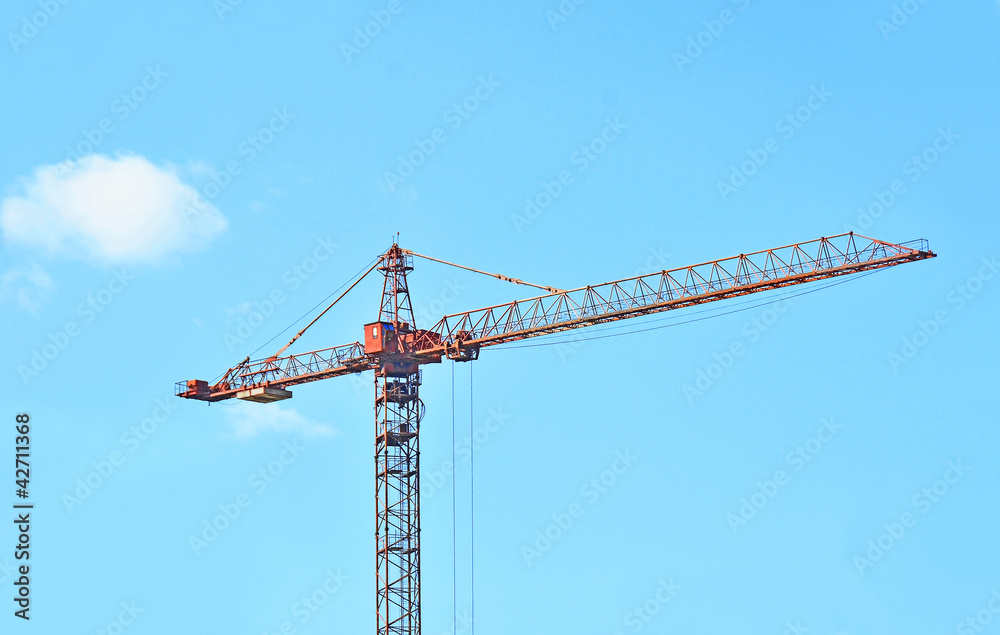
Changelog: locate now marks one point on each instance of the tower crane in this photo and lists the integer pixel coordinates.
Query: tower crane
(395, 349)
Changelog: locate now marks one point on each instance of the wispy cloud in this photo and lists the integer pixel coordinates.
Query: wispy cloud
(108, 210)
(28, 284)
(240, 309)
(247, 421)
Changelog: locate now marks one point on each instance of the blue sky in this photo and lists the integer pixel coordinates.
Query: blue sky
(232, 164)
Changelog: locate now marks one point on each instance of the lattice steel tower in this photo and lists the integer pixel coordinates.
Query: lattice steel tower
(397, 463)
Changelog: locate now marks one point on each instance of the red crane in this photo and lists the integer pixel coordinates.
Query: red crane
(395, 349)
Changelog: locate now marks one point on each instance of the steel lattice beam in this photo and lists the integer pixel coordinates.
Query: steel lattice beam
(397, 504)
(461, 335)
(668, 290)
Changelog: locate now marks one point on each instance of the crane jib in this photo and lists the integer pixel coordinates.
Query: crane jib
(399, 346)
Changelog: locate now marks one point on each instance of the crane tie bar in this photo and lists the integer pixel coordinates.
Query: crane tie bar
(498, 276)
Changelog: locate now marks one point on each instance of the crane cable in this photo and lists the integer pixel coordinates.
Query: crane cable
(498, 276)
(551, 342)
(300, 318)
(454, 513)
(315, 319)
(454, 507)
(472, 503)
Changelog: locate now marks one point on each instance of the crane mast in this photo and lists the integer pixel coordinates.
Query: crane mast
(394, 348)
(398, 410)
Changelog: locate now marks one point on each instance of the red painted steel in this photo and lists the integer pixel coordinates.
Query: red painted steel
(461, 335)
(395, 348)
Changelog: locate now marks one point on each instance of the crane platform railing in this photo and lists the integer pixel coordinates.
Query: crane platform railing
(301, 368)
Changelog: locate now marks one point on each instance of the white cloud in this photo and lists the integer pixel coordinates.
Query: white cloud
(251, 419)
(121, 210)
(240, 309)
(29, 284)
(202, 169)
